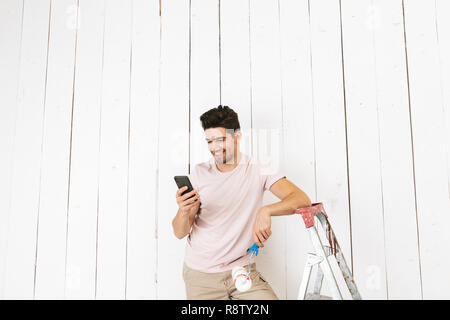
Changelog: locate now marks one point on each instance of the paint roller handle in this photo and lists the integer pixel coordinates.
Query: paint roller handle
(254, 249)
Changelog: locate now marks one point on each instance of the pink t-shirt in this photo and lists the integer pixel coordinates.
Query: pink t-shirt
(222, 231)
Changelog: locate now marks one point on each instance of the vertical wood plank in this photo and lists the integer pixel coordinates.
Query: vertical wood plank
(329, 119)
(429, 140)
(400, 225)
(173, 144)
(10, 41)
(235, 65)
(114, 135)
(204, 72)
(141, 253)
(363, 150)
(267, 123)
(298, 129)
(52, 224)
(80, 282)
(21, 250)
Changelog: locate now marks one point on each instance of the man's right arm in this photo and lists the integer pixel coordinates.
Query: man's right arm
(185, 216)
(182, 224)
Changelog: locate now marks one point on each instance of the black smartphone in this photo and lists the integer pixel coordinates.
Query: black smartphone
(183, 181)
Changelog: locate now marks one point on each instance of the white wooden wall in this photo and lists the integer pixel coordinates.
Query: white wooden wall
(99, 108)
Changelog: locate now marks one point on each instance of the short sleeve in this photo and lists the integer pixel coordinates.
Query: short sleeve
(269, 175)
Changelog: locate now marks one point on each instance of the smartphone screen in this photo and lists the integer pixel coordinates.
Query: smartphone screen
(184, 181)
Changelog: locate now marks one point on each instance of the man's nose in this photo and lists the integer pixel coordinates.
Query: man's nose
(216, 145)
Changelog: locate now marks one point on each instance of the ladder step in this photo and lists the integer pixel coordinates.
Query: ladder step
(312, 296)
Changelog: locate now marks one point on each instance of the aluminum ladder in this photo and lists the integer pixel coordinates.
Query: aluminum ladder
(320, 258)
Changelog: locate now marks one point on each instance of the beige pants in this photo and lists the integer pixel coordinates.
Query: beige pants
(220, 286)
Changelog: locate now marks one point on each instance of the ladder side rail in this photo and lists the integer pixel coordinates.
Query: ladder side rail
(348, 277)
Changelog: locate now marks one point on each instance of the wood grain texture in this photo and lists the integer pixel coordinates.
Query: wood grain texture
(428, 121)
(27, 155)
(81, 255)
(114, 137)
(143, 140)
(173, 144)
(55, 167)
(267, 131)
(365, 182)
(298, 150)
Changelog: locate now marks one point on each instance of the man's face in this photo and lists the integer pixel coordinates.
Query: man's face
(222, 144)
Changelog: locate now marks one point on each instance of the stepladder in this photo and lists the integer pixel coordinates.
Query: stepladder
(326, 253)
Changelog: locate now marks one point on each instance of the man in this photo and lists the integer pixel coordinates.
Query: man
(224, 217)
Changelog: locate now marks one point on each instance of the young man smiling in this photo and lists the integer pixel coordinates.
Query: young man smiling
(225, 215)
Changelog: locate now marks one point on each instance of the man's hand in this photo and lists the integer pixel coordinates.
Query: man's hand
(188, 207)
(261, 227)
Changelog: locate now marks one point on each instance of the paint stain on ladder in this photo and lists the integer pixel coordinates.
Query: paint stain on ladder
(331, 236)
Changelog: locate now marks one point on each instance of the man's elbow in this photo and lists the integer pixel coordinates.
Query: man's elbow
(307, 201)
(304, 200)
(179, 236)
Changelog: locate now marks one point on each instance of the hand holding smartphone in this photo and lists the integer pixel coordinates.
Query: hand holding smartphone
(187, 197)
(183, 181)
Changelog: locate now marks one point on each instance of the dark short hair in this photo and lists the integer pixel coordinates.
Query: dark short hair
(221, 116)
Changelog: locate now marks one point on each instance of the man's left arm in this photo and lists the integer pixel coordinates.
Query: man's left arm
(292, 198)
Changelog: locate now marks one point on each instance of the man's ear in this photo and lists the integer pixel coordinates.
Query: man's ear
(238, 135)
